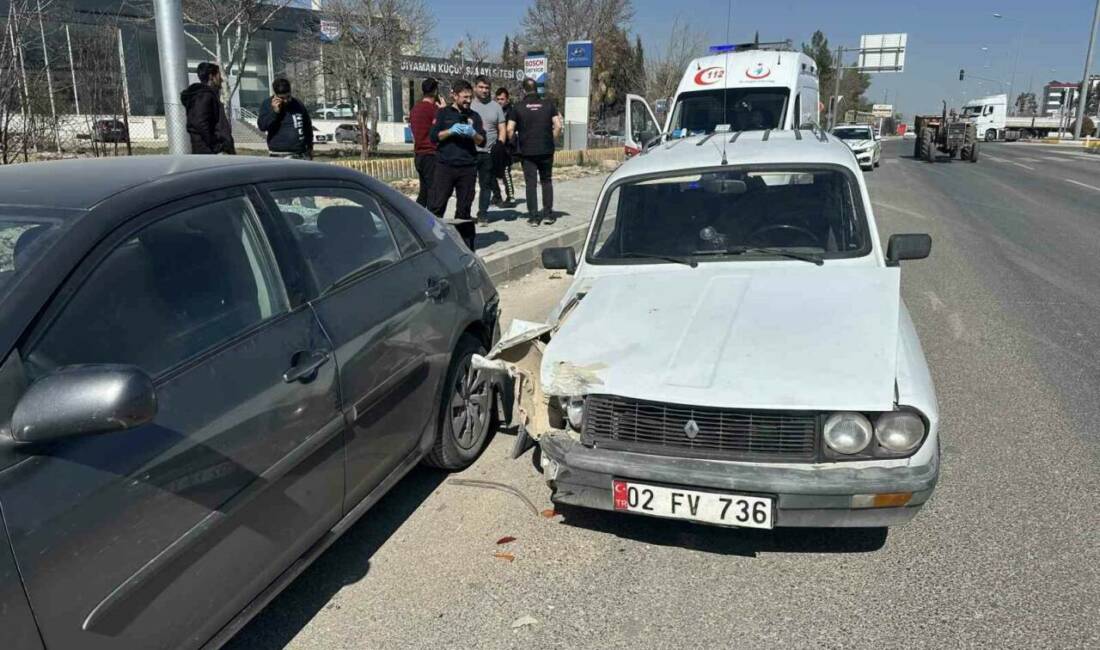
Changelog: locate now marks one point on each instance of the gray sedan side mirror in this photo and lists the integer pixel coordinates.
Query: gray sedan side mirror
(83, 400)
(907, 247)
(563, 257)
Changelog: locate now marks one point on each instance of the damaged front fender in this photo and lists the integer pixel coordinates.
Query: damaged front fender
(517, 360)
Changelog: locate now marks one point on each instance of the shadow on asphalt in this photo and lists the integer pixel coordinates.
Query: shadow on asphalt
(742, 542)
(485, 239)
(346, 562)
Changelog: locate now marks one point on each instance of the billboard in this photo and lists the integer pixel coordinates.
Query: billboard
(882, 110)
(882, 52)
(536, 66)
(578, 54)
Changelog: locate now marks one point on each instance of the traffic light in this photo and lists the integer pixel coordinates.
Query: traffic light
(961, 74)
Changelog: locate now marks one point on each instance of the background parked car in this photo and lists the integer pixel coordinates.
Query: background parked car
(351, 134)
(109, 130)
(198, 403)
(333, 111)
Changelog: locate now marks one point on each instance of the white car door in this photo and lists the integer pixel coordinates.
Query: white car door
(639, 125)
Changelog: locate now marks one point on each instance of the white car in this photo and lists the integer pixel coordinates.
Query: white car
(733, 348)
(864, 142)
(333, 111)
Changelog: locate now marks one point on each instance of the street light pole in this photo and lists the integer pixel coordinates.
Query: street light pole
(173, 72)
(1015, 59)
(1082, 100)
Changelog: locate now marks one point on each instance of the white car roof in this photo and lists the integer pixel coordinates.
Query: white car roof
(801, 147)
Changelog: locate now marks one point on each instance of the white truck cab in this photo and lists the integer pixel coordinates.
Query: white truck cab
(737, 88)
(989, 115)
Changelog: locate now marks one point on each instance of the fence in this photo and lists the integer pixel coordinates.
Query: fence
(395, 169)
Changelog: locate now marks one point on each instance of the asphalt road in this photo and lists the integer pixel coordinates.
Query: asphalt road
(1005, 555)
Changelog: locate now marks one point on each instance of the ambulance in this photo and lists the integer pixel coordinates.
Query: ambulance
(752, 86)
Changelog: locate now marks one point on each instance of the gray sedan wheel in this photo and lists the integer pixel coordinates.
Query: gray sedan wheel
(467, 413)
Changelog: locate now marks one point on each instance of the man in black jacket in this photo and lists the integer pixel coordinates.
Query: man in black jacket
(458, 132)
(535, 124)
(207, 123)
(287, 124)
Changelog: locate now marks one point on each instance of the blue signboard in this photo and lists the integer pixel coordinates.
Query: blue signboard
(578, 54)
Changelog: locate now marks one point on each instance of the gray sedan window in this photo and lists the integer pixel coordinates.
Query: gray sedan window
(177, 288)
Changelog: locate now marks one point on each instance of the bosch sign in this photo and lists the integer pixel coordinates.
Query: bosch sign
(708, 76)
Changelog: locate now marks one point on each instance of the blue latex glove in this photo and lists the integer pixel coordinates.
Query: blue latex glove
(464, 130)
(679, 133)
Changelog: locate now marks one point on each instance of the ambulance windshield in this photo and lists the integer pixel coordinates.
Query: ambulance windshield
(747, 109)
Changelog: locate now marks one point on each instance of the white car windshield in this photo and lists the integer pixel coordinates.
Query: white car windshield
(731, 213)
(741, 109)
(853, 133)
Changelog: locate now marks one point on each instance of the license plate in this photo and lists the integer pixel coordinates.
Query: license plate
(680, 503)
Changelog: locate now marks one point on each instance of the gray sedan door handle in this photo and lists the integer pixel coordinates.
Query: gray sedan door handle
(437, 288)
(306, 365)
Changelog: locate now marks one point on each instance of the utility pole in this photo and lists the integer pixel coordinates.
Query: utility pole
(1082, 100)
(72, 69)
(173, 72)
(49, 78)
(838, 70)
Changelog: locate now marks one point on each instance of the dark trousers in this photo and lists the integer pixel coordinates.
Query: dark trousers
(502, 169)
(462, 181)
(540, 168)
(425, 168)
(485, 182)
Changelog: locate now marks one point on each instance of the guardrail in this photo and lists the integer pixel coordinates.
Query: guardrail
(394, 169)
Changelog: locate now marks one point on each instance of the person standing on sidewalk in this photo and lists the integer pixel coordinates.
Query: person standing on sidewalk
(502, 155)
(496, 130)
(421, 118)
(536, 125)
(287, 124)
(207, 123)
(457, 133)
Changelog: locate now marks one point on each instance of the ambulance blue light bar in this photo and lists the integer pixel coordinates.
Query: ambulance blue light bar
(719, 49)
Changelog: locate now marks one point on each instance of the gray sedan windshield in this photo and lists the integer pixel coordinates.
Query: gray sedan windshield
(730, 214)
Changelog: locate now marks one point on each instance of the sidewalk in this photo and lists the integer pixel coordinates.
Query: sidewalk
(512, 248)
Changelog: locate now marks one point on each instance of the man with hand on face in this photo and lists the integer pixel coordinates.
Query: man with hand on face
(496, 130)
(287, 124)
(457, 132)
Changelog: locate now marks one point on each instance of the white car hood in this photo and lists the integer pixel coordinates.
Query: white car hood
(856, 145)
(804, 337)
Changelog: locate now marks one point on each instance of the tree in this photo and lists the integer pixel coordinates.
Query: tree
(231, 24)
(663, 72)
(1027, 104)
(369, 37)
(853, 84)
(470, 48)
(551, 24)
(615, 75)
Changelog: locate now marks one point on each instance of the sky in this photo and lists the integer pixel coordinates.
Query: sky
(1044, 40)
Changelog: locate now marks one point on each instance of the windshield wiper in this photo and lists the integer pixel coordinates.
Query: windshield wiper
(668, 258)
(812, 258)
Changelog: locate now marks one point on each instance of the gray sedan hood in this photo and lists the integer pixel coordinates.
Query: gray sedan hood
(798, 337)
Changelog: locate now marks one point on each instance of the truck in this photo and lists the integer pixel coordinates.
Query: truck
(945, 133)
(744, 87)
(992, 121)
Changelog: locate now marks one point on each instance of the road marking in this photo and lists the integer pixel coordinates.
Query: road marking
(1091, 187)
(1013, 162)
(899, 210)
(1030, 160)
(958, 330)
(994, 158)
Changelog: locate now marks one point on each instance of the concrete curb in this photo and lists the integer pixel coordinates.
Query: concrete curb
(515, 262)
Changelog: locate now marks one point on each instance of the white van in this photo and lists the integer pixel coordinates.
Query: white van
(756, 86)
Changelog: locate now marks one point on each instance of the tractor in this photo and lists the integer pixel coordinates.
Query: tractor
(946, 133)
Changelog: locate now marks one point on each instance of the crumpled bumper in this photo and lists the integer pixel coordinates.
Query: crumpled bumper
(807, 496)
(865, 158)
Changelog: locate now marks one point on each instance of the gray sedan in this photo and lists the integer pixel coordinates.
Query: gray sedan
(210, 368)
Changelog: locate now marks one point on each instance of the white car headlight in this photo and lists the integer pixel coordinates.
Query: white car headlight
(574, 412)
(899, 431)
(847, 433)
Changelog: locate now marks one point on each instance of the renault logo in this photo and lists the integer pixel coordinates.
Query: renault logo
(691, 429)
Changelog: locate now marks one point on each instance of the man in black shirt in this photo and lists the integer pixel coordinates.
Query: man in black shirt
(287, 124)
(207, 123)
(535, 125)
(457, 132)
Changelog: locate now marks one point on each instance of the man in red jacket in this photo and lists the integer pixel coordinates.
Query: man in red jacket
(421, 118)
